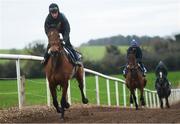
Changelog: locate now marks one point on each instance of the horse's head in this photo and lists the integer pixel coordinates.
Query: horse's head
(160, 75)
(55, 46)
(132, 57)
(132, 65)
(54, 41)
(161, 79)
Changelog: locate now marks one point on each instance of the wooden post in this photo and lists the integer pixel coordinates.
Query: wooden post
(22, 92)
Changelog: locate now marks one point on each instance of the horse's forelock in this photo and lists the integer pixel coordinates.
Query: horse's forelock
(53, 37)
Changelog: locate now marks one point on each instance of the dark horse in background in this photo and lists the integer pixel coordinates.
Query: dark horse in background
(135, 79)
(162, 85)
(59, 70)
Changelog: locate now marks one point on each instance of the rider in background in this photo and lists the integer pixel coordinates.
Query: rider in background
(134, 46)
(57, 19)
(161, 67)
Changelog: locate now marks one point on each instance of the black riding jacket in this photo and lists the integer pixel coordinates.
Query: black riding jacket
(61, 23)
(161, 67)
(138, 53)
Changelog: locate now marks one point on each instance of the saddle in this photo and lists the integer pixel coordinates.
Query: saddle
(71, 55)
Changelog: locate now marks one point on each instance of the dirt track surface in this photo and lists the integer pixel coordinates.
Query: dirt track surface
(91, 114)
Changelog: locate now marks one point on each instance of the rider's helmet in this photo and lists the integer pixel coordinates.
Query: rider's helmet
(134, 43)
(53, 8)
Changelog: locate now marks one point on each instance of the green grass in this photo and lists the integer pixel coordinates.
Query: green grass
(35, 90)
(95, 53)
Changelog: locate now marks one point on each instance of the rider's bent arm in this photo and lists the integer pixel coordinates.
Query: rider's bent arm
(46, 25)
(66, 28)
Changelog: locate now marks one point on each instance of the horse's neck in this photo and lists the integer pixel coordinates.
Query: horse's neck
(132, 62)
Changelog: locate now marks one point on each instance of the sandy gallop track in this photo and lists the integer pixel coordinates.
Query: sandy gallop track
(89, 113)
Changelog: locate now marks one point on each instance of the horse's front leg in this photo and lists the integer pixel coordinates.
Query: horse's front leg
(54, 96)
(134, 97)
(161, 102)
(64, 103)
(142, 97)
(131, 100)
(79, 77)
(167, 102)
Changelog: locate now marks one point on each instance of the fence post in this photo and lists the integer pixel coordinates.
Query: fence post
(48, 92)
(117, 93)
(23, 89)
(84, 82)
(19, 83)
(154, 101)
(124, 94)
(97, 90)
(150, 98)
(69, 92)
(146, 95)
(108, 92)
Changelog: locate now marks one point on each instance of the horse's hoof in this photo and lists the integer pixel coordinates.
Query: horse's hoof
(131, 105)
(143, 104)
(67, 105)
(85, 101)
(62, 114)
(59, 110)
(167, 106)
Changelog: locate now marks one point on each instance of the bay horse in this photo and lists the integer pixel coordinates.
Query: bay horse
(135, 79)
(163, 89)
(59, 70)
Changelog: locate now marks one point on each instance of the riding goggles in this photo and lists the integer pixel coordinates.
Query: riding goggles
(53, 10)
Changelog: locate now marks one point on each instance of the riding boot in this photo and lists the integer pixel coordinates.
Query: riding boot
(143, 69)
(76, 56)
(46, 56)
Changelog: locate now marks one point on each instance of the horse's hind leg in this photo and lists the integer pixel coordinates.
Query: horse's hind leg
(79, 77)
(54, 96)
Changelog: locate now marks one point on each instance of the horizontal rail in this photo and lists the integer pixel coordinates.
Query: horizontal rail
(15, 57)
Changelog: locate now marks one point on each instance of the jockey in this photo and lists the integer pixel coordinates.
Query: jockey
(56, 19)
(161, 67)
(134, 45)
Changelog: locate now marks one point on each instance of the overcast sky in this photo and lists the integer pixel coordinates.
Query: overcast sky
(22, 21)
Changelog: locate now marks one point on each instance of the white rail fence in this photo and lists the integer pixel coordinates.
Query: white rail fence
(151, 97)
